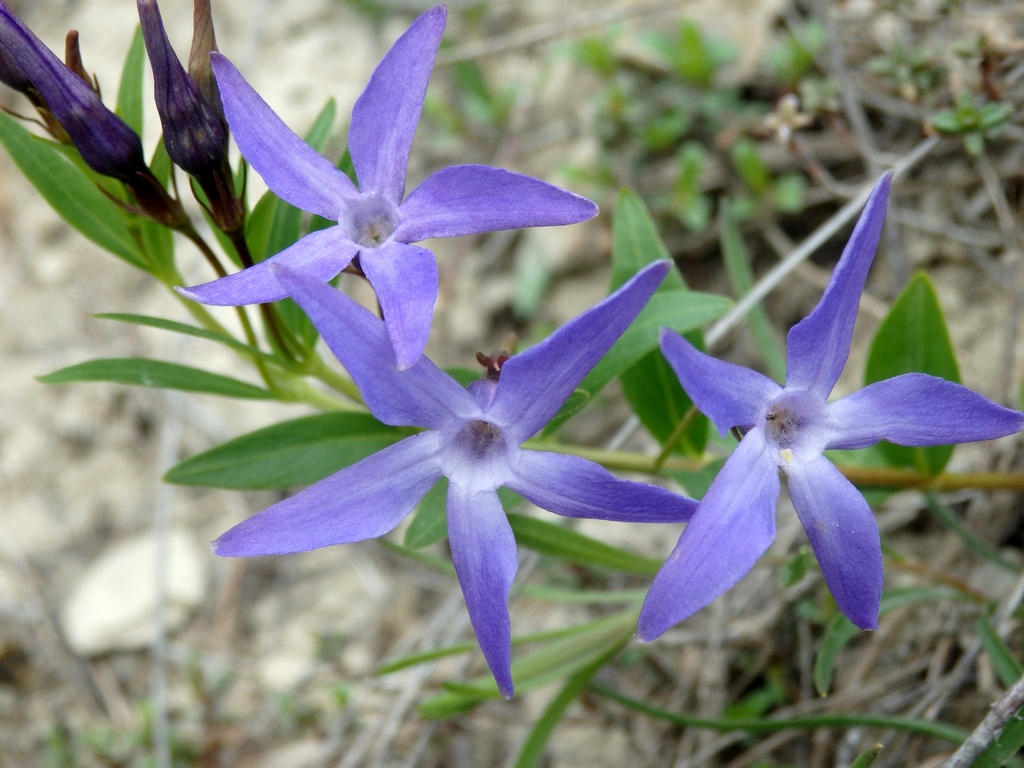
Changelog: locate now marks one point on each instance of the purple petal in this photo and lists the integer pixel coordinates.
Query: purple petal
(732, 527)
(294, 170)
(405, 279)
(321, 255)
(817, 346)
(843, 535)
(385, 115)
(730, 395)
(916, 409)
(534, 384)
(574, 487)
(484, 553)
(360, 502)
(422, 396)
(469, 199)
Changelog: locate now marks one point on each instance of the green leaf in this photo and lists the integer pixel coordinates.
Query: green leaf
(576, 401)
(291, 453)
(429, 523)
(697, 482)
(1007, 744)
(681, 311)
(913, 338)
(636, 243)
(188, 330)
(795, 569)
(867, 758)
(841, 630)
(565, 544)
(258, 224)
(772, 725)
(158, 240)
(650, 385)
(741, 277)
(749, 165)
(143, 372)
(1006, 664)
(533, 748)
(556, 660)
(70, 192)
(129, 92)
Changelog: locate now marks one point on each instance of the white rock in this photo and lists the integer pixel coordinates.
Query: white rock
(113, 605)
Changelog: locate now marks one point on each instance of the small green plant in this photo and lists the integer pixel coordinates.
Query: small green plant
(972, 121)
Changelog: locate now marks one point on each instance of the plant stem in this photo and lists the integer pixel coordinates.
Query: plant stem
(677, 434)
(877, 477)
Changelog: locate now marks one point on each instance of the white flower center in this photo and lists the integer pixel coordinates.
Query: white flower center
(478, 455)
(370, 220)
(796, 426)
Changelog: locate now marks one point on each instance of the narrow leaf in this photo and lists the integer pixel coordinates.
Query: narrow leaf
(69, 191)
(533, 748)
(650, 386)
(143, 372)
(679, 310)
(289, 454)
(565, 544)
(913, 338)
(129, 91)
(867, 758)
(429, 522)
(188, 330)
(1006, 664)
(772, 725)
(556, 660)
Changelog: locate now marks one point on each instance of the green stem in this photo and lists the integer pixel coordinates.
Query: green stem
(877, 477)
(320, 370)
(766, 725)
(677, 434)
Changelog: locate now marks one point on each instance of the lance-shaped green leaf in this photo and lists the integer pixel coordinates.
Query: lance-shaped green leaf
(289, 454)
(188, 330)
(69, 191)
(841, 630)
(558, 541)
(129, 91)
(428, 523)
(913, 338)
(533, 748)
(679, 310)
(142, 372)
(557, 660)
(650, 386)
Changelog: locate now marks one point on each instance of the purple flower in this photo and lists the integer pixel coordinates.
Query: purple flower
(374, 222)
(472, 436)
(788, 428)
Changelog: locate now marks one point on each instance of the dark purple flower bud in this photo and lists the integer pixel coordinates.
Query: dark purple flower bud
(105, 142)
(195, 138)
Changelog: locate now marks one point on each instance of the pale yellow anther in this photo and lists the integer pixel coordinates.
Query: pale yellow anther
(786, 454)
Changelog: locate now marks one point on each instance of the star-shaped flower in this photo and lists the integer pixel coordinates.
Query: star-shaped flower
(788, 428)
(374, 222)
(472, 436)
